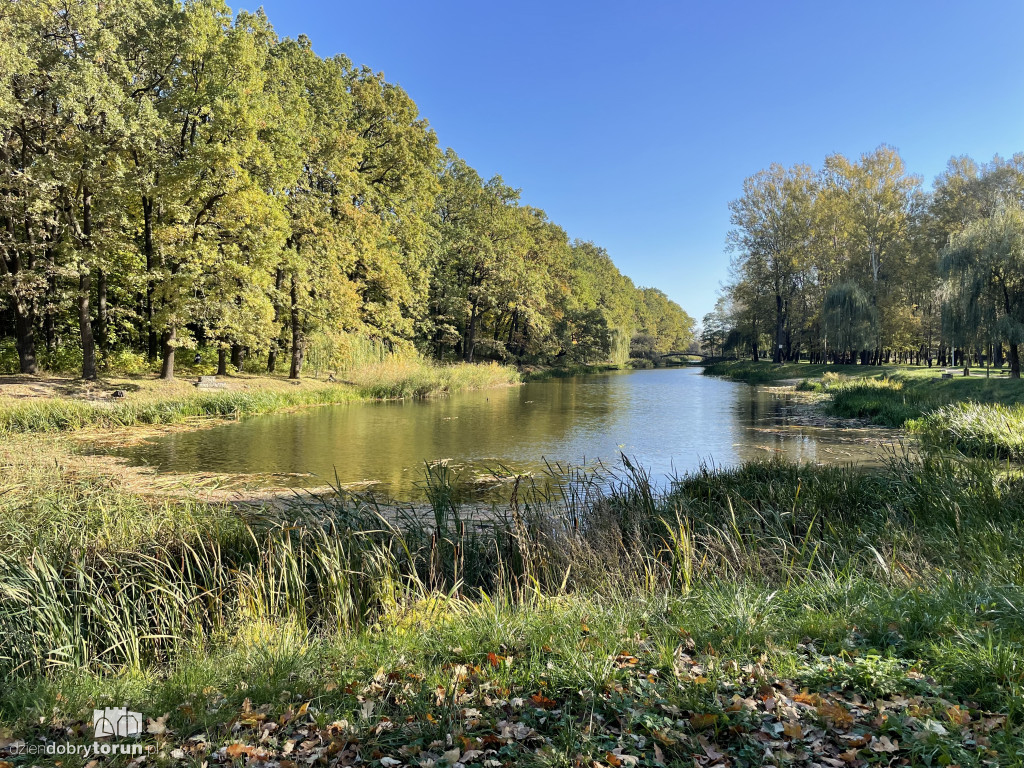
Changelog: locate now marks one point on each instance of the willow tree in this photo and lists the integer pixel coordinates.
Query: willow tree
(849, 318)
(984, 270)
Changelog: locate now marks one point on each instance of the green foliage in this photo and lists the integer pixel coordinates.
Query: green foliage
(854, 261)
(183, 178)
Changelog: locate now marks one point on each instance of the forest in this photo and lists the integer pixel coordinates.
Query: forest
(857, 262)
(176, 177)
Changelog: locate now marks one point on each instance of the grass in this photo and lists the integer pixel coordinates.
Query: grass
(977, 415)
(404, 378)
(148, 403)
(992, 430)
(608, 617)
(822, 613)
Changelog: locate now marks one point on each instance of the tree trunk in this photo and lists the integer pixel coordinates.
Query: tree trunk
(222, 362)
(150, 252)
(25, 339)
(1013, 354)
(298, 342)
(102, 328)
(780, 330)
(237, 356)
(49, 311)
(468, 347)
(167, 352)
(85, 292)
(85, 326)
(272, 355)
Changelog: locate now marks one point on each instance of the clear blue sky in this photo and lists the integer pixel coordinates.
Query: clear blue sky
(634, 124)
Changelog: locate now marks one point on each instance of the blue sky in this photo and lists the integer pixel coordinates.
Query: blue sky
(634, 124)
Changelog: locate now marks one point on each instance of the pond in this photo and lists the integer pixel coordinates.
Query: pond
(667, 420)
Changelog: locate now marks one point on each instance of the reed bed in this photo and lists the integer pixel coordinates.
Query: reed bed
(883, 583)
(391, 379)
(342, 562)
(991, 430)
(398, 378)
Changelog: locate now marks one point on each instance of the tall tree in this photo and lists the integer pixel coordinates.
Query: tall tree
(771, 234)
(984, 268)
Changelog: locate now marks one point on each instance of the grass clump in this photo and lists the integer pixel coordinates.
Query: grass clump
(991, 430)
(398, 378)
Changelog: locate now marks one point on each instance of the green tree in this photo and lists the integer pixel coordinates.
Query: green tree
(984, 270)
(772, 230)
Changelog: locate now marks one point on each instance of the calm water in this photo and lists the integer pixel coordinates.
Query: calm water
(669, 420)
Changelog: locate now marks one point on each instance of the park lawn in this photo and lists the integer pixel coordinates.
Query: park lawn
(764, 371)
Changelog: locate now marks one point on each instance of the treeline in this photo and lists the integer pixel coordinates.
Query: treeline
(856, 262)
(173, 176)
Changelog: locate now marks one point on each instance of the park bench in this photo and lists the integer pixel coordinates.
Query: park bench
(209, 382)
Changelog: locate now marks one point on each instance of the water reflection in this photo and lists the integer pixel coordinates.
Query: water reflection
(670, 420)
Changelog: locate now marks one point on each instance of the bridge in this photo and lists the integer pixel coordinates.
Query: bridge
(701, 355)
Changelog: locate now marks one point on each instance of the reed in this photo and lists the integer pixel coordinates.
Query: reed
(342, 562)
(832, 578)
(975, 429)
(393, 378)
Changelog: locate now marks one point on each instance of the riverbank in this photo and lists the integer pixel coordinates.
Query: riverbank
(977, 415)
(767, 613)
(817, 614)
(54, 404)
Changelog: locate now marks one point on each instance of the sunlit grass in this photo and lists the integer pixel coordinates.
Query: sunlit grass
(391, 379)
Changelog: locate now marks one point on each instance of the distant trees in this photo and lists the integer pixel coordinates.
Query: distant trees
(984, 271)
(855, 263)
(175, 176)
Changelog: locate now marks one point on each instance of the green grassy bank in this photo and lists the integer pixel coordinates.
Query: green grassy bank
(978, 415)
(814, 612)
(150, 401)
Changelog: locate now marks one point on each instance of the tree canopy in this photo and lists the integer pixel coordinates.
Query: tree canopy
(855, 262)
(173, 175)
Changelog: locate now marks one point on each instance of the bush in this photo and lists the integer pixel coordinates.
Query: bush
(125, 362)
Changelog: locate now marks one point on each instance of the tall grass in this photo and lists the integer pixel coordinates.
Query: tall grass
(341, 563)
(991, 430)
(396, 377)
(390, 379)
